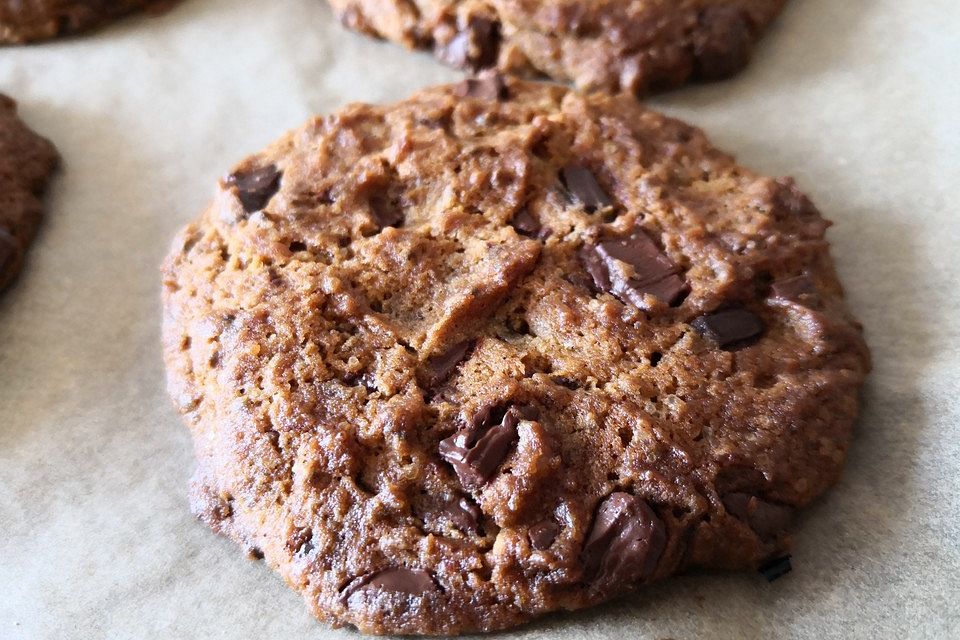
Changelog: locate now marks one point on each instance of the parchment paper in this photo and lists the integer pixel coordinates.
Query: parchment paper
(858, 99)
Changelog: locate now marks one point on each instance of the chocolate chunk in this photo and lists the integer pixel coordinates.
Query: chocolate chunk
(723, 43)
(438, 368)
(464, 514)
(731, 327)
(476, 450)
(526, 224)
(490, 86)
(625, 542)
(8, 249)
(799, 289)
(776, 568)
(632, 267)
(768, 520)
(475, 46)
(386, 212)
(543, 534)
(255, 187)
(584, 188)
(414, 582)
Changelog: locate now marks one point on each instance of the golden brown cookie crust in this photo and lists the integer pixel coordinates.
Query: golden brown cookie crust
(26, 162)
(410, 395)
(23, 21)
(639, 46)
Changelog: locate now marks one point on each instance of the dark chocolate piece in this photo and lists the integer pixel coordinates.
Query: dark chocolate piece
(625, 542)
(476, 450)
(256, 186)
(464, 514)
(730, 327)
(415, 582)
(767, 519)
(799, 289)
(632, 267)
(475, 47)
(490, 86)
(526, 224)
(584, 188)
(723, 44)
(543, 534)
(8, 249)
(386, 212)
(776, 568)
(438, 368)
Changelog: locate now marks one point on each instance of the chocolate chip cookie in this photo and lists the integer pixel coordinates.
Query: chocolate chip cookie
(502, 349)
(26, 162)
(24, 21)
(608, 45)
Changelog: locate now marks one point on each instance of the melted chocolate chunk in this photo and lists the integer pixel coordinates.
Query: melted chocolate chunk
(799, 289)
(584, 188)
(475, 47)
(439, 368)
(414, 582)
(723, 44)
(526, 224)
(625, 542)
(464, 514)
(490, 87)
(776, 568)
(768, 520)
(632, 267)
(255, 187)
(543, 534)
(476, 450)
(729, 328)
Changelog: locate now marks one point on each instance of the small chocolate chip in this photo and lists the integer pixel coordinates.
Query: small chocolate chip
(584, 188)
(255, 186)
(386, 212)
(767, 519)
(543, 534)
(476, 450)
(475, 46)
(633, 267)
(526, 224)
(776, 568)
(625, 542)
(799, 289)
(414, 582)
(440, 367)
(729, 328)
(464, 514)
(490, 86)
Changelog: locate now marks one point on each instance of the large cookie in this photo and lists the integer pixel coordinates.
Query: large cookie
(502, 349)
(26, 162)
(639, 46)
(31, 20)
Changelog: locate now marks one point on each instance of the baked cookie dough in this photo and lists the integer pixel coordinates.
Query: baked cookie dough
(24, 21)
(502, 349)
(610, 45)
(26, 162)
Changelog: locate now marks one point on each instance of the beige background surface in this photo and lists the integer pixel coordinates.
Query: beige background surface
(859, 99)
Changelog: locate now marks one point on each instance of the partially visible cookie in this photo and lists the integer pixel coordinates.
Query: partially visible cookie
(24, 21)
(609, 45)
(502, 349)
(26, 162)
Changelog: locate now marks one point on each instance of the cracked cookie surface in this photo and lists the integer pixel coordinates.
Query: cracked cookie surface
(23, 21)
(639, 46)
(26, 162)
(502, 349)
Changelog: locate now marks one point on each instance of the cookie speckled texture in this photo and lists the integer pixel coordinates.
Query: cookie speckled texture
(23, 21)
(638, 46)
(26, 162)
(502, 349)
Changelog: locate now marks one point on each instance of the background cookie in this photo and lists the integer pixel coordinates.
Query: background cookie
(26, 162)
(609, 45)
(502, 349)
(29, 20)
